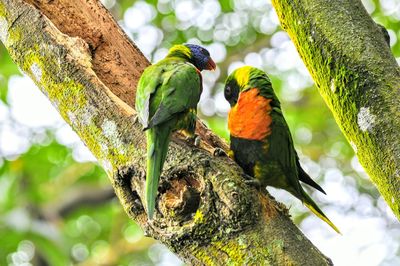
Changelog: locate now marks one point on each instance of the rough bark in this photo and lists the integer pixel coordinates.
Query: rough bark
(206, 214)
(358, 77)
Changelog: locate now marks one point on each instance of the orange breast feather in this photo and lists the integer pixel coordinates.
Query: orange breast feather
(250, 117)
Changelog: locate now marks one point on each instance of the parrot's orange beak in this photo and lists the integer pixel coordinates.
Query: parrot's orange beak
(211, 64)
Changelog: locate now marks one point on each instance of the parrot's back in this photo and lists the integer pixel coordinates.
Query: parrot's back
(166, 100)
(167, 97)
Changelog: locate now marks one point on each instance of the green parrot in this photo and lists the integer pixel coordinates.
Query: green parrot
(261, 142)
(166, 100)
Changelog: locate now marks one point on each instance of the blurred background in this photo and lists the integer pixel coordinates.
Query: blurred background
(57, 206)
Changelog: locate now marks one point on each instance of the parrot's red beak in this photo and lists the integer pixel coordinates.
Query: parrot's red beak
(211, 64)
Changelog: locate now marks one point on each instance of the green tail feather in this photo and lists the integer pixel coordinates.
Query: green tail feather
(317, 211)
(157, 148)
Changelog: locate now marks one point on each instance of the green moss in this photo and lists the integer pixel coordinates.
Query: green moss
(351, 73)
(14, 35)
(66, 93)
(3, 12)
(70, 98)
(335, 80)
(244, 250)
(94, 138)
(198, 217)
(4, 28)
(41, 61)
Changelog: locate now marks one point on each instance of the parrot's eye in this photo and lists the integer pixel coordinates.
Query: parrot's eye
(228, 90)
(205, 52)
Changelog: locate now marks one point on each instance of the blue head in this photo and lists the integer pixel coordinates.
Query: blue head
(200, 57)
(195, 54)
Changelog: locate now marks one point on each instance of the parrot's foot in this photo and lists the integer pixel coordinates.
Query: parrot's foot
(195, 139)
(251, 181)
(135, 119)
(248, 177)
(218, 152)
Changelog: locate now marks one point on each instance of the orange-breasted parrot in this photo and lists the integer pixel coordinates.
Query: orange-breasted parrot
(166, 100)
(261, 142)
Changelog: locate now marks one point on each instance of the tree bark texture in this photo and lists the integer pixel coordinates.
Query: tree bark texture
(358, 77)
(83, 62)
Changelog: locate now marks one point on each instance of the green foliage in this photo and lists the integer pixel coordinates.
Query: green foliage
(7, 68)
(37, 187)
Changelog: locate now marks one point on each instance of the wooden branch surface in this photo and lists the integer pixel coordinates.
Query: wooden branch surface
(358, 77)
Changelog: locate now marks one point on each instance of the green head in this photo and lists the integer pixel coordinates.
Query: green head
(245, 78)
(194, 54)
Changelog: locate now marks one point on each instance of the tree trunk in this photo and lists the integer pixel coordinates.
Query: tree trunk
(83, 62)
(358, 77)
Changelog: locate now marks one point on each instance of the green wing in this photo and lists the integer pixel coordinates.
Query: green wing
(165, 90)
(305, 178)
(147, 85)
(281, 149)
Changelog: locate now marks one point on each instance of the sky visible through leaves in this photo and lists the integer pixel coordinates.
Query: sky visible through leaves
(56, 202)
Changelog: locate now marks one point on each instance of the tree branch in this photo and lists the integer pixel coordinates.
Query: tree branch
(83, 196)
(358, 77)
(206, 214)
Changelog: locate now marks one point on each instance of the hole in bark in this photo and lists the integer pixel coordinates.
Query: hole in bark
(124, 176)
(136, 207)
(125, 180)
(180, 197)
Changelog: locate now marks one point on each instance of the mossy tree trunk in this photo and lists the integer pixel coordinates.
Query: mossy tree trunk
(83, 62)
(358, 77)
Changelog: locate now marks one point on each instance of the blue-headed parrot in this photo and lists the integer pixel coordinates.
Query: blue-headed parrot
(166, 100)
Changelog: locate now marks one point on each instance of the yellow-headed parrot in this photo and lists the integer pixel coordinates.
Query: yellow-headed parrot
(261, 142)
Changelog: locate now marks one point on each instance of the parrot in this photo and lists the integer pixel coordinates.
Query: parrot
(166, 101)
(260, 140)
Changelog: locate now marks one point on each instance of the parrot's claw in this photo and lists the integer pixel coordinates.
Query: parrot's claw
(248, 177)
(135, 119)
(251, 181)
(197, 141)
(218, 152)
